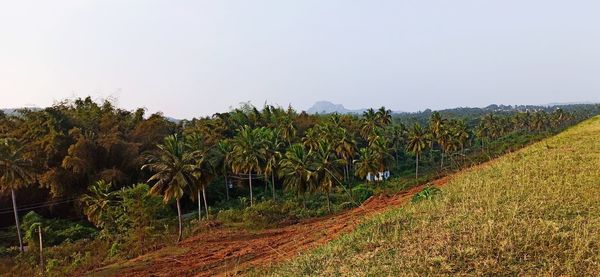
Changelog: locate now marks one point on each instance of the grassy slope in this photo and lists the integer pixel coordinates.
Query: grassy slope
(532, 212)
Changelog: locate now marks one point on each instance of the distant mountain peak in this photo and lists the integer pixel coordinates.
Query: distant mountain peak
(326, 107)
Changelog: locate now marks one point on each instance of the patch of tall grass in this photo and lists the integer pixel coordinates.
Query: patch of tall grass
(532, 212)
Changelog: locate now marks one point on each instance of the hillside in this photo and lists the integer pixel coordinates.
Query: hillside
(533, 212)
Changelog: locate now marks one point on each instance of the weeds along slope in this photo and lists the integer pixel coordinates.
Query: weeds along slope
(531, 212)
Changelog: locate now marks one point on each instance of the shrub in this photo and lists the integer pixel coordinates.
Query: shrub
(426, 194)
(55, 231)
(362, 192)
(139, 226)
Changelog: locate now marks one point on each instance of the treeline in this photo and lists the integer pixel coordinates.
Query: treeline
(85, 153)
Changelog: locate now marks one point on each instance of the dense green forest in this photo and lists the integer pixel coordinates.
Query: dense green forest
(86, 170)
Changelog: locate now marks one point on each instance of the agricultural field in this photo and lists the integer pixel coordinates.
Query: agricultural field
(117, 192)
(299, 138)
(532, 212)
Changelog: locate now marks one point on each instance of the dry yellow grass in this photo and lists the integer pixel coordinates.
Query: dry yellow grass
(532, 212)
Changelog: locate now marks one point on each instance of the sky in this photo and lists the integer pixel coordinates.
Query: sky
(195, 58)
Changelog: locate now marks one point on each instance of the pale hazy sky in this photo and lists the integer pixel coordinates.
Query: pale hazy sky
(192, 58)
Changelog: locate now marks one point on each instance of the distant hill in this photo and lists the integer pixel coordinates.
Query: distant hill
(326, 107)
(15, 111)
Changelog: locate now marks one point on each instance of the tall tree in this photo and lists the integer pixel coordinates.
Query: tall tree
(345, 148)
(202, 170)
(397, 135)
(222, 161)
(15, 172)
(366, 163)
(273, 145)
(417, 143)
(461, 133)
(436, 123)
(248, 153)
(444, 140)
(325, 170)
(295, 170)
(369, 123)
(383, 117)
(172, 166)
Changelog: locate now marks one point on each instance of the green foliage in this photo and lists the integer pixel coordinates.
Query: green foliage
(260, 215)
(311, 158)
(139, 226)
(362, 192)
(426, 194)
(55, 231)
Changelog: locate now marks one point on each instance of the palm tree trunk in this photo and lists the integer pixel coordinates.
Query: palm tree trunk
(226, 187)
(199, 207)
(180, 221)
(304, 201)
(266, 177)
(273, 184)
(417, 168)
(442, 162)
(328, 202)
(250, 182)
(205, 203)
(347, 173)
(14, 202)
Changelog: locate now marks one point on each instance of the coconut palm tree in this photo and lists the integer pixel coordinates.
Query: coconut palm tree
(369, 123)
(15, 172)
(461, 133)
(172, 166)
(325, 170)
(295, 170)
(273, 155)
(248, 153)
(221, 161)
(482, 132)
(397, 136)
(286, 128)
(558, 117)
(383, 117)
(521, 120)
(381, 150)
(98, 201)
(312, 137)
(366, 163)
(436, 123)
(539, 121)
(444, 140)
(345, 148)
(417, 143)
(202, 170)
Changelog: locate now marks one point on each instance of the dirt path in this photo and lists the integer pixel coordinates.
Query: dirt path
(225, 251)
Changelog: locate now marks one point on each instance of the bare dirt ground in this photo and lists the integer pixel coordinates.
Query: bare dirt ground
(225, 251)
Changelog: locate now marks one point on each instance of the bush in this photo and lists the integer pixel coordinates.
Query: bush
(426, 194)
(263, 214)
(362, 192)
(140, 225)
(55, 231)
(267, 214)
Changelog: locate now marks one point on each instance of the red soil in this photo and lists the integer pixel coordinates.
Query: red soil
(227, 251)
